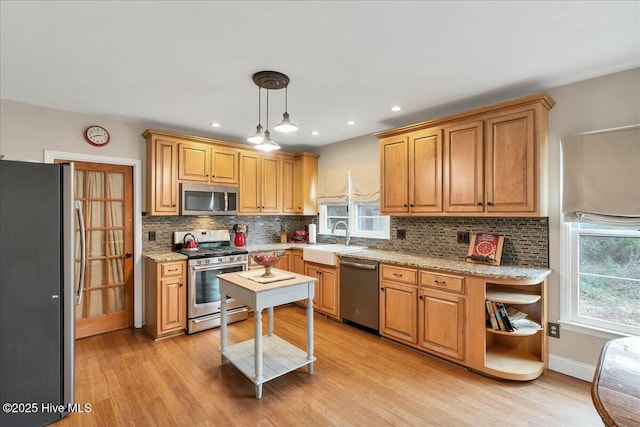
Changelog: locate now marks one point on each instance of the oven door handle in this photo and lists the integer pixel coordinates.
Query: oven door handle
(216, 267)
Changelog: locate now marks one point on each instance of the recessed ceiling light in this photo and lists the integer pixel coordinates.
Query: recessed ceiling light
(351, 123)
(315, 133)
(215, 124)
(396, 108)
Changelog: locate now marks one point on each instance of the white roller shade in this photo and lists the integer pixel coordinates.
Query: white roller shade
(333, 185)
(365, 183)
(601, 176)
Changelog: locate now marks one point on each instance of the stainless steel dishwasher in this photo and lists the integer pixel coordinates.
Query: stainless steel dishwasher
(359, 292)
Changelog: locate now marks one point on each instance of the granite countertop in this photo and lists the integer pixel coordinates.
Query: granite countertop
(165, 256)
(437, 264)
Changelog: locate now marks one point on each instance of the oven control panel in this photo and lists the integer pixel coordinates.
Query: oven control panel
(236, 259)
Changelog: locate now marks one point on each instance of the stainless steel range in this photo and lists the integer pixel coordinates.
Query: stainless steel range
(211, 255)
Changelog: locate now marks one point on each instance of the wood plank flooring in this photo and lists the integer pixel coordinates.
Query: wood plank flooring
(359, 380)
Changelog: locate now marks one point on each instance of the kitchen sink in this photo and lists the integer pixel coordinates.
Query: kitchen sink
(326, 254)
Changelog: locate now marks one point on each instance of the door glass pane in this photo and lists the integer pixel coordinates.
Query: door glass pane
(116, 299)
(96, 273)
(116, 242)
(97, 302)
(79, 183)
(96, 185)
(116, 212)
(116, 271)
(95, 243)
(116, 186)
(96, 214)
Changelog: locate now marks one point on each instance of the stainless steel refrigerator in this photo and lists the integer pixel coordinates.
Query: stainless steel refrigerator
(38, 291)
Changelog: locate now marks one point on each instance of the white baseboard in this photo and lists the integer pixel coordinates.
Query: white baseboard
(572, 368)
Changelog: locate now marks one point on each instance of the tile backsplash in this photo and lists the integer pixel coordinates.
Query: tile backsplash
(526, 240)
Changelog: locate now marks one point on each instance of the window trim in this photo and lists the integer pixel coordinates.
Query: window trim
(352, 221)
(569, 289)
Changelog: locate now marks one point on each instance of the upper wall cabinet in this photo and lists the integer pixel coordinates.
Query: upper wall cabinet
(207, 164)
(162, 175)
(411, 172)
(282, 183)
(484, 162)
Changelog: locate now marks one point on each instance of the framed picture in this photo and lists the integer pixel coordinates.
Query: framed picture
(485, 248)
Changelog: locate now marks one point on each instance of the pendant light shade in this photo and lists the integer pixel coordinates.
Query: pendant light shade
(258, 137)
(268, 144)
(285, 126)
(271, 80)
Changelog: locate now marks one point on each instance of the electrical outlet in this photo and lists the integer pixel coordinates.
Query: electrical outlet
(152, 236)
(463, 236)
(401, 234)
(554, 329)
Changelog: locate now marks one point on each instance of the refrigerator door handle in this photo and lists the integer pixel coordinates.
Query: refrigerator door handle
(83, 253)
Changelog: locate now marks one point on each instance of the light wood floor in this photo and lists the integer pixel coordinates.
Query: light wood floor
(359, 379)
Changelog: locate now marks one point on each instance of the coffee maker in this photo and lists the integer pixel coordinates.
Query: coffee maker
(241, 231)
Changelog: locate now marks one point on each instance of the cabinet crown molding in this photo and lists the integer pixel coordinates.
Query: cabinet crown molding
(542, 98)
(200, 139)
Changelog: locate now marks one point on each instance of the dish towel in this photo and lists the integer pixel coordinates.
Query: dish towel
(256, 276)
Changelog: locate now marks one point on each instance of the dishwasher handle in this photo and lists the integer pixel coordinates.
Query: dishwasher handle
(359, 265)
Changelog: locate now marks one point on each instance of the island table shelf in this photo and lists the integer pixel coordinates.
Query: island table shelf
(264, 358)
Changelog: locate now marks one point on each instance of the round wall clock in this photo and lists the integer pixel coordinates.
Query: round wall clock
(97, 135)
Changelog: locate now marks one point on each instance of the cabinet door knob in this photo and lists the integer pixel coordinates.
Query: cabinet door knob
(420, 297)
(440, 282)
(405, 205)
(180, 284)
(382, 289)
(411, 205)
(479, 203)
(489, 203)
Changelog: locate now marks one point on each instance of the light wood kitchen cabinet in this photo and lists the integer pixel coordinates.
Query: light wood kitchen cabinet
(260, 188)
(285, 262)
(165, 297)
(464, 168)
(296, 262)
(492, 162)
(161, 175)
(207, 164)
(511, 159)
(441, 312)
(327, 293)
(412, 168)
(300, 180)
(399, 303)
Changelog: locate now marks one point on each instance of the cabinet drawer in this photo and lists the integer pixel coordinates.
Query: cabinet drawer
(172, 269)
(441, 281)
(398, 274)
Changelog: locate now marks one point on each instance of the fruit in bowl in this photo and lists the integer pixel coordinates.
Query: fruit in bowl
(267, 260)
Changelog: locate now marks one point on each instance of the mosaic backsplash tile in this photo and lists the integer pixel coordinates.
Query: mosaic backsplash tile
(526, 240)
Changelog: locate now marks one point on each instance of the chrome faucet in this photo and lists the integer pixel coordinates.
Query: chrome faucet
(346, 227)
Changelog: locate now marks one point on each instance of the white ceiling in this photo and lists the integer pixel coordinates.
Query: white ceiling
(182, 65)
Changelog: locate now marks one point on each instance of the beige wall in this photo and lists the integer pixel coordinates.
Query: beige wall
(27, 130)
(362, 150)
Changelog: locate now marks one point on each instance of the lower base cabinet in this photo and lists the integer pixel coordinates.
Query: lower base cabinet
(445, 315)
(327, 292)
(165, 297)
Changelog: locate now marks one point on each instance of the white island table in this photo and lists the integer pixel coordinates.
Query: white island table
(264, 358)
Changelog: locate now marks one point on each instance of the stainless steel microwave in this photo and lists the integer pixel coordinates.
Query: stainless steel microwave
(202, 199)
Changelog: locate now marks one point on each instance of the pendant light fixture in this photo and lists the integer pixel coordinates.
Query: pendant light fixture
(271, 80)
(285, 126)
(259, 135)
(267, 143)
